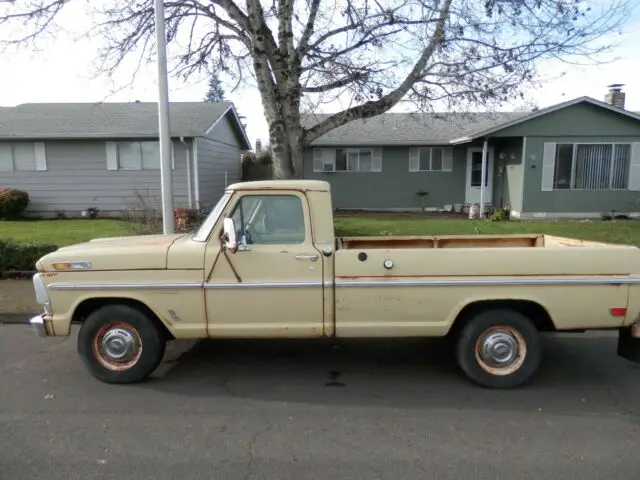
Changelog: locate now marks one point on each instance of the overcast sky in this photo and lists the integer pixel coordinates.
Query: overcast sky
(62, 72)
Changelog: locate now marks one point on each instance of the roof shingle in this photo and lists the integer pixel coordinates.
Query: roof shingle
(409, 128)
(99, 120)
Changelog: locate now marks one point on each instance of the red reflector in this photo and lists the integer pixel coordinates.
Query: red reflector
(618, 312)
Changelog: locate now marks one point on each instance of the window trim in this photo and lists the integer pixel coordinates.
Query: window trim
(574, 152)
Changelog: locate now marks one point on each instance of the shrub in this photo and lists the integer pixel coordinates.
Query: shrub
(141, 217)
(500, 214)
(13, 203)
(22, 257)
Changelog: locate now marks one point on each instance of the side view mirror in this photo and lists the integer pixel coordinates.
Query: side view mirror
(229, 240)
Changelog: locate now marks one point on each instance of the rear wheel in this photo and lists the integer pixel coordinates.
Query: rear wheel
(499, 348)
(120, 344)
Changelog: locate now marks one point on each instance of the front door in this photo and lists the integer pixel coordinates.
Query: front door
(273, 285)
(474, 172)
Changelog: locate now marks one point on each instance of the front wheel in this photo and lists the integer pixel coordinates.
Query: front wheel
(120, 344)
(499, 348)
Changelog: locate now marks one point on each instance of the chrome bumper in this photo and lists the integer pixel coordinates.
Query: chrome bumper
(37, 323)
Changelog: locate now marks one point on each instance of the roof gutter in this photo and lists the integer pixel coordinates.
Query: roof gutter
(459, 140)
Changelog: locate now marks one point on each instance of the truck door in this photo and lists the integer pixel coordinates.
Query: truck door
(273, 285)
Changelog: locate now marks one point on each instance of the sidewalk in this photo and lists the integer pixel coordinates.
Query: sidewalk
(17, 301)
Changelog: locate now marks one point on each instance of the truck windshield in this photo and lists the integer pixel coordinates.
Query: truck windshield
(203, 232)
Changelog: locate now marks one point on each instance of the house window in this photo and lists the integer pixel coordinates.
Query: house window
(592, 166)
(430, 159)
(328, 160)
(353, 160)
(136, 155)
(22, 156)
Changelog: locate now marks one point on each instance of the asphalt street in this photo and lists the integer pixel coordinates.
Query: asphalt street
(314, 410)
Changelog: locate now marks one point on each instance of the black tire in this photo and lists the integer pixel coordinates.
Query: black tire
(520, 328)
(138, 326)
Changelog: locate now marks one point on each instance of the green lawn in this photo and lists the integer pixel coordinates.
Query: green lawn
(60, 232)
(65, 232)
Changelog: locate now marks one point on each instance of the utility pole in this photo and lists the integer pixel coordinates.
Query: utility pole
(166, 180)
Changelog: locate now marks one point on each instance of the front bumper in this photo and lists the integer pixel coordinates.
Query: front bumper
(38, 324)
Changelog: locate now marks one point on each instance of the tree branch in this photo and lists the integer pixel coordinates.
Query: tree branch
(308, 31)
(285, 28)
(373, 108)
(354, 77)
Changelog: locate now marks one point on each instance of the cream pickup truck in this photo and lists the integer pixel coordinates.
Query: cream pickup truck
(266, 264)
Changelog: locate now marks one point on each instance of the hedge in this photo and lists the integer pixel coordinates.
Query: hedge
(22, 257)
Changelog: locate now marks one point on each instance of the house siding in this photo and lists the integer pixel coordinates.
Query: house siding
(219, 161)
(572, 201)
(580, 120)
(77, 178)
(394, 187)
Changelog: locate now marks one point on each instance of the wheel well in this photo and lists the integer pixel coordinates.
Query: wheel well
(86, 307)
(535, 312)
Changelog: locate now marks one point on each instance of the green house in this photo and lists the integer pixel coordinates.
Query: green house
(576, 159)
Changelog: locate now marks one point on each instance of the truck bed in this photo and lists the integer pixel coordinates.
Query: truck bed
(464, 241)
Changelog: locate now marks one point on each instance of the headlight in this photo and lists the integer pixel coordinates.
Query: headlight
(42, 297)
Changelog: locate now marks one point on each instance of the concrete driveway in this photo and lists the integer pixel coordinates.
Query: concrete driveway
(311, 410)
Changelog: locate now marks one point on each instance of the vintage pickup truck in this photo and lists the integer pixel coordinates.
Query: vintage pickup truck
(266, 264)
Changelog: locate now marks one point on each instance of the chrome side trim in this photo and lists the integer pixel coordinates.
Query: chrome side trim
(382, 282)
(214, 286)
(495, 281)
(182, 286)
(124, 286)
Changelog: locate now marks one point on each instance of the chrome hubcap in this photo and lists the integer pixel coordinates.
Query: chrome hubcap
(499, 349)
(119, 345)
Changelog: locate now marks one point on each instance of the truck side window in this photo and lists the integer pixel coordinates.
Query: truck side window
(269, 219)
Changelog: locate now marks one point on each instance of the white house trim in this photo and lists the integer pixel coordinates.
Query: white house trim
(522, 170)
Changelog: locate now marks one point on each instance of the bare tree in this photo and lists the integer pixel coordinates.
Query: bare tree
(371, 54)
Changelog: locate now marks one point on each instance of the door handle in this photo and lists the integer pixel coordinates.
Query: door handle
(301, 256)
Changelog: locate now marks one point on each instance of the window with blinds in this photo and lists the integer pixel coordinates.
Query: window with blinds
(592, 166)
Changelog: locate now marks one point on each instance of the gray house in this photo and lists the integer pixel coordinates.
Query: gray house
(72, 156)
(575, 159)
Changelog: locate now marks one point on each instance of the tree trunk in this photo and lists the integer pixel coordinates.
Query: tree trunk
(287, 139)
(283, 161)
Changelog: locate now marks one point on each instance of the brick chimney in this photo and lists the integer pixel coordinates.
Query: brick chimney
(615, 96)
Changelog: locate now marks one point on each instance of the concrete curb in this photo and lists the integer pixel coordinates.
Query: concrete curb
(16, 318)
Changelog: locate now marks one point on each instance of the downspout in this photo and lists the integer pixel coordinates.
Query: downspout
(189, 196)
(196, 179)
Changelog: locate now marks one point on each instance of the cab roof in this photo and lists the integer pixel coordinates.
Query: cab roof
(313, 185)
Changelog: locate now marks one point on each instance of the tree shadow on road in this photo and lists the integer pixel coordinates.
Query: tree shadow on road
(578, 375)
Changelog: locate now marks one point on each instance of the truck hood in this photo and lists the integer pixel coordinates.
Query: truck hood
(143, 252)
